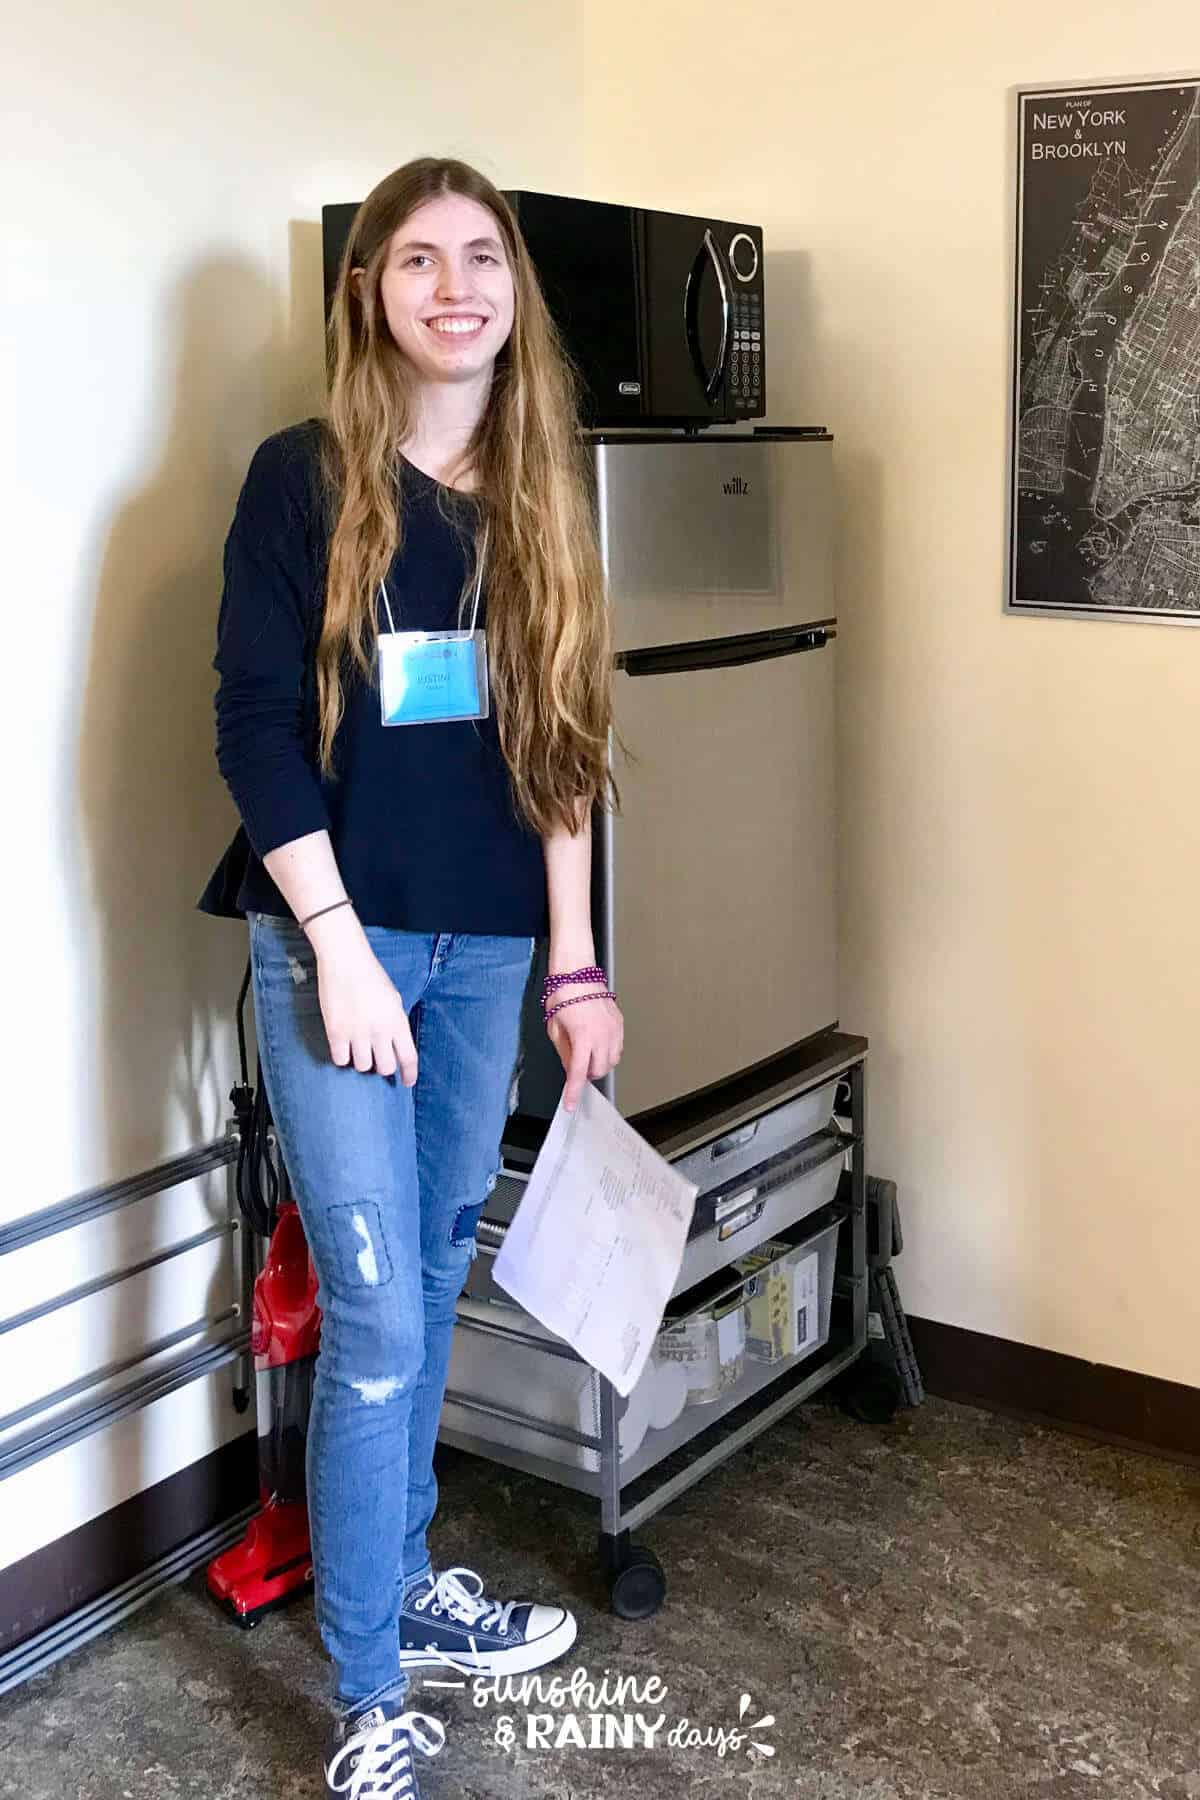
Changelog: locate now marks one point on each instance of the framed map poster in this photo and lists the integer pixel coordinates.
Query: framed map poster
(1105, 445)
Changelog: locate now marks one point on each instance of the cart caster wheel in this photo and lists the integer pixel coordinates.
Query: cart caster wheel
(639, 1585)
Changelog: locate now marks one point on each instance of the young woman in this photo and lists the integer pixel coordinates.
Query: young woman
(416, 816)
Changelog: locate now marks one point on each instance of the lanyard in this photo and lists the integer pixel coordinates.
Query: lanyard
(474, 603)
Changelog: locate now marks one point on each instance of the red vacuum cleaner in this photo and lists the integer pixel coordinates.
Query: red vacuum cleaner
(273, 1561)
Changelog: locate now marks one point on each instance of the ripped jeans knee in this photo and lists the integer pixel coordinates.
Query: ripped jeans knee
(376, 1351)
(372, 1327)
(358, 1231)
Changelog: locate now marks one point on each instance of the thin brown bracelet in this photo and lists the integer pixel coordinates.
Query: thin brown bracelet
(321, 911)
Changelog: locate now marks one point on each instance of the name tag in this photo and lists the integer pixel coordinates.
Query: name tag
(432, 677)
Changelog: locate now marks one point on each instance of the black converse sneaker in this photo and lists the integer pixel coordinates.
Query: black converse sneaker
(449, 1618)
(369, 1754)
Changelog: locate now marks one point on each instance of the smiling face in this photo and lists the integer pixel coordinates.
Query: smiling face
(447, 289)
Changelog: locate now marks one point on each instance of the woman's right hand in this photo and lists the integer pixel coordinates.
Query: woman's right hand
(365, 1020)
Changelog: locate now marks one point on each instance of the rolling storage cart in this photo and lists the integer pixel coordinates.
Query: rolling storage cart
(778, 1154)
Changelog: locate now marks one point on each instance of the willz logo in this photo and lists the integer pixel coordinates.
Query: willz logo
(736, 486)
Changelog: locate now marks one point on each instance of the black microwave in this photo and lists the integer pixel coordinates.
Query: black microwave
(662, 313)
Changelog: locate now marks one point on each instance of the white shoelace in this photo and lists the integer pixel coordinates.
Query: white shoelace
(471, 1607)
(375, 1766)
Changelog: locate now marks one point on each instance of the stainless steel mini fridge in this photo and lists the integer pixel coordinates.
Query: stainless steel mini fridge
(715, 883)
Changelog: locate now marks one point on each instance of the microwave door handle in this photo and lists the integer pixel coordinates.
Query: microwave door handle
(718, 373)
(710, 379)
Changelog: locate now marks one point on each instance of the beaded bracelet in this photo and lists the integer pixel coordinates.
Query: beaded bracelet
(578, 1000)
(552, 983)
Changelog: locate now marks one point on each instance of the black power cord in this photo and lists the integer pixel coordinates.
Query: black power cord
(257, 1177)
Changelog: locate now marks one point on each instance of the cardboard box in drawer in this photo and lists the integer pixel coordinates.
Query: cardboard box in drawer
(783, 1301)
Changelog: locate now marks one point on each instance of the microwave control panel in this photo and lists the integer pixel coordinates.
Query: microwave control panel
(746, 363)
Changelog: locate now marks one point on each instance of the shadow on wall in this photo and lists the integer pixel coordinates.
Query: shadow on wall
(234, 360)
(822, 373)
(151, 805)
(236, 364)
(787, 277)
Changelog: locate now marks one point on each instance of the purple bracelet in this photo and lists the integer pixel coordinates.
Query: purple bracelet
(552, 983)
(578, 999)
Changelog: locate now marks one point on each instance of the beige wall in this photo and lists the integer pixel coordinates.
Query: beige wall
(1020, 834)
(1020, 826)
(162, 312)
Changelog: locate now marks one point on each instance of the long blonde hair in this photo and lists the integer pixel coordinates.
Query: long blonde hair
(547, 623)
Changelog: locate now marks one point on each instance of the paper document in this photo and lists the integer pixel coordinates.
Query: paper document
(596, 1244)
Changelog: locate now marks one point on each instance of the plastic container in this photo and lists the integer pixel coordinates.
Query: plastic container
(670, 1393)
(710, 1346)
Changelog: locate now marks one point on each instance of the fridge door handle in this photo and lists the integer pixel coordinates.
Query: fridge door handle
(710, 379)
(725, 652)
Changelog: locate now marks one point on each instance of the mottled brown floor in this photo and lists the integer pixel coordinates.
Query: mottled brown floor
(953, 1606)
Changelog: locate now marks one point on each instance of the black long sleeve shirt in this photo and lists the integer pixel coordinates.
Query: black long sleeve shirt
(421, 817)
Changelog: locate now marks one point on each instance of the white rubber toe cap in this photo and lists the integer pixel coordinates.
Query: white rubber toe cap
(551, 1628)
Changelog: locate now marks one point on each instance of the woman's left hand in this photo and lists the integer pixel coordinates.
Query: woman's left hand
(589, 1038)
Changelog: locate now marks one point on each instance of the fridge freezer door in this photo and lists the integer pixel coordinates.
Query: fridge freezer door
(721, 906)
(713, 537)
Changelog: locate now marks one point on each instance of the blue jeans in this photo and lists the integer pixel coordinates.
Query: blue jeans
(390, 1182)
